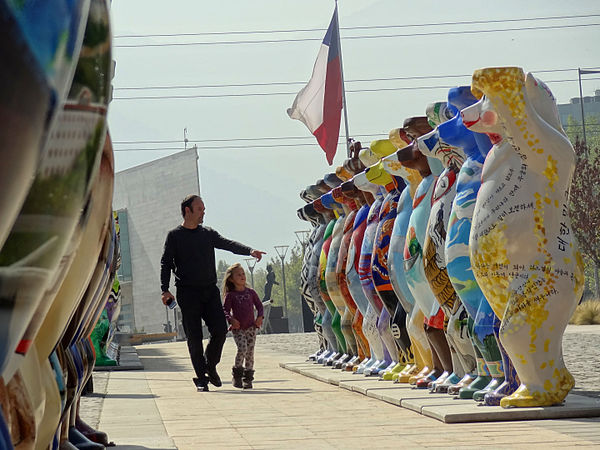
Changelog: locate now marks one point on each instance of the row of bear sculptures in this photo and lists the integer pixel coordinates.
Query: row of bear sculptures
(444, 256)
(59, 250)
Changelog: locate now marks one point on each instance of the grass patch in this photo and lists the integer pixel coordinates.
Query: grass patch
(587, 313)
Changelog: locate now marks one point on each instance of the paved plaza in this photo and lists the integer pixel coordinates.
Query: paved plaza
(158, 407)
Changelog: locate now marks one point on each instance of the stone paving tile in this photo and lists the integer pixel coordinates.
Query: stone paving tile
(378, 442)
(266, 433)
(91, 405)
(178, 430)
(199, 442)
(216, 423)
(129, 412)
(298, 412)
(291, 444)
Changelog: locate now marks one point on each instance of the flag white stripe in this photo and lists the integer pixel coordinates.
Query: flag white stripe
(308, 104)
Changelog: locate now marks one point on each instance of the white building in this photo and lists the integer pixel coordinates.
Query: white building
(147, 199)
(591, 107)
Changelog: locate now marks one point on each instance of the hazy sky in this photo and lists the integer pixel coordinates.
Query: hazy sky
(251, 193)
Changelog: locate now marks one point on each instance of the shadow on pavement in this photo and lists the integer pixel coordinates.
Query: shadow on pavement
(144, 350)
(159, 360)
(586, 393)
(583, 419)
(265, 391)
(129, 395)
(270, 381)
(137, 447)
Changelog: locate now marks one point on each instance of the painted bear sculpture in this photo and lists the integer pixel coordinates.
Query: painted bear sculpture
(523, 251)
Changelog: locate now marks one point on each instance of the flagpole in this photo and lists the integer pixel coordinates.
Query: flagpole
(343, 88)
(580, 102)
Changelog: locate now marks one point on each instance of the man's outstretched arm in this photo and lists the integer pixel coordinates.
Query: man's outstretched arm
(235, 247)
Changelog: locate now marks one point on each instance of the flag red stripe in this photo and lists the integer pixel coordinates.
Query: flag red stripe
(327, 134)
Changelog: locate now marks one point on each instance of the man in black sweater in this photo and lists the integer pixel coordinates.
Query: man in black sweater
(190, 253)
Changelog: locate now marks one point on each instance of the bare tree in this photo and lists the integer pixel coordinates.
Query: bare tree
(585, 205)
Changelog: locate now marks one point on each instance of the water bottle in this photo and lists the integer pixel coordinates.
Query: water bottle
(171, 303)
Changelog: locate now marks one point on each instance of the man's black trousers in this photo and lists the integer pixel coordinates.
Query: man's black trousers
(197, 304)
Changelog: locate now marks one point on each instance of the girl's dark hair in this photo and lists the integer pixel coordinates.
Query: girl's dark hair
(187, 203)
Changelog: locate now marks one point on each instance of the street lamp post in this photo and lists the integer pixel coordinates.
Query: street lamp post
(281, 252)
(302, 237)
(251, 263)
(579, 73)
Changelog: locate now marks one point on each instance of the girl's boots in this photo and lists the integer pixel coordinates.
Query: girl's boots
(238, 373)
(248, 377)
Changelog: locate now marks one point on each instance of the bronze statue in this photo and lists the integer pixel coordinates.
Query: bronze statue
(269, 284)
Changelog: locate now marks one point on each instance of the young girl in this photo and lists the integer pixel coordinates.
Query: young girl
(239, 305)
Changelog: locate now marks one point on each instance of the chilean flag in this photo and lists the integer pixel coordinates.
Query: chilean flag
(319, 104)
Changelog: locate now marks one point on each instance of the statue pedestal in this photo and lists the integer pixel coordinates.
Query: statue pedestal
(128, 360)
(444, 407)
(277, 323)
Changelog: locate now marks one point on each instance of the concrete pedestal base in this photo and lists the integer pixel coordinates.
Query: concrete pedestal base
(443, 407)
(128, 360)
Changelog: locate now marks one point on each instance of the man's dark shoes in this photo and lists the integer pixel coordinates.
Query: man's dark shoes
(201, 385)
(213, 376)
